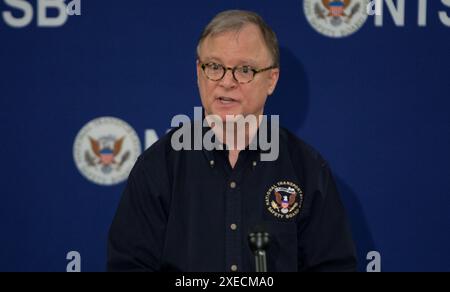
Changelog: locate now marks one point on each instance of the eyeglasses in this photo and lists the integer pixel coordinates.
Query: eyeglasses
(242, 74)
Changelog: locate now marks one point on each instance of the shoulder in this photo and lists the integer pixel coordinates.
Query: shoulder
(310, 167)
(301, 151)
(161, 147)
(158, 155)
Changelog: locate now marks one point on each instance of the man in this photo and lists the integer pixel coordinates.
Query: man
(193, 210)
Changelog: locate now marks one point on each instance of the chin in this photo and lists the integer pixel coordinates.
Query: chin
(223, 115)
(222, 112)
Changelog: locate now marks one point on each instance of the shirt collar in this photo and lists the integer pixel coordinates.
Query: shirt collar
(209, 154)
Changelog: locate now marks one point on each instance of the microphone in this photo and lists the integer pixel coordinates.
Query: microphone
(258, 241)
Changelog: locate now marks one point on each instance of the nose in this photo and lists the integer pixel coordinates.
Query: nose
(228, 80)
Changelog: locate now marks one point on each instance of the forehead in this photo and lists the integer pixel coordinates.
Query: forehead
(233, 47)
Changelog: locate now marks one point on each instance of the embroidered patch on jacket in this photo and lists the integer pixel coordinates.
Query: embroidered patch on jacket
(284, 200)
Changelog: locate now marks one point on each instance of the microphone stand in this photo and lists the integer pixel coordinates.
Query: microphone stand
(259, 241)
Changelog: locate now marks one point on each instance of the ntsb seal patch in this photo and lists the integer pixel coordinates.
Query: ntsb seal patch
(284, 200)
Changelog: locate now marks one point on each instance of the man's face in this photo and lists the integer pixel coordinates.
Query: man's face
(230, 49)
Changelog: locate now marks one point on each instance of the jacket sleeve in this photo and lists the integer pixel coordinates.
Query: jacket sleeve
(136, 236)
(325, 243)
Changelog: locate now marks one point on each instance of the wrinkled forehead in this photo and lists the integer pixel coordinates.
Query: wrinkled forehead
(235, 47)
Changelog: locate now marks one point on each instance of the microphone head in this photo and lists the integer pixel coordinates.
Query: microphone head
(258, 239)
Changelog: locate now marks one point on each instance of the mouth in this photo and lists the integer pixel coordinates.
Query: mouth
(226, 100)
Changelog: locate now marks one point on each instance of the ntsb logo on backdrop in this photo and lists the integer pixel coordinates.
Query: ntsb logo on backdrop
(341, 18)
(336, 18)
(48, 13)
(105, 150)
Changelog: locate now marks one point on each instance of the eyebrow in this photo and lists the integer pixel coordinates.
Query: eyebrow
(249, 62)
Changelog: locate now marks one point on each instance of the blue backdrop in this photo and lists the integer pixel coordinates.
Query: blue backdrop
(376, 104)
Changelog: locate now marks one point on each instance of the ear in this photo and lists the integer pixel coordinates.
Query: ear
(273, 80)
(199, 69)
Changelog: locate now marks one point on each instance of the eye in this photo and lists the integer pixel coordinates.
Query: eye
(246, 69)
(214, 66)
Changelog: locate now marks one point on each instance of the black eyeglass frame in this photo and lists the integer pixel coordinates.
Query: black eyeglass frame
(233, 70)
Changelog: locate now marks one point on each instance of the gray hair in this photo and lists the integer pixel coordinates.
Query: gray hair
(234, 20)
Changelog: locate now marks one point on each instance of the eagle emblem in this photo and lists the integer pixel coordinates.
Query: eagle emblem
(105, 149)
(105, 152)
(284, 200)
(336, 11)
